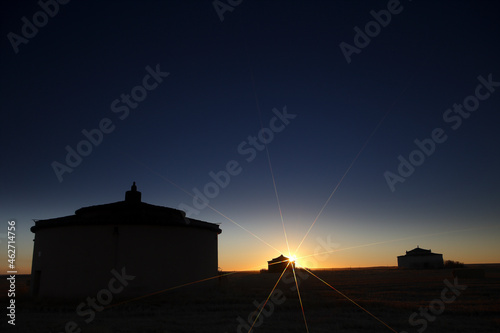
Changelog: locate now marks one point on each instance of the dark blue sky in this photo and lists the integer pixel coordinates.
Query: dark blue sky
(225, 78)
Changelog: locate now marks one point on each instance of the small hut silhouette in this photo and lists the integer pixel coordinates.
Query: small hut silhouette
(278, 264)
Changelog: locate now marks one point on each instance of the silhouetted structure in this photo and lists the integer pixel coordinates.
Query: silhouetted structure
(278, 264)
(75, 255)
(420, 258)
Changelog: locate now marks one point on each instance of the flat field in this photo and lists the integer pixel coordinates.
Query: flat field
(364, 300)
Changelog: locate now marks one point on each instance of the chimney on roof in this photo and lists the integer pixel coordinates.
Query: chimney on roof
(133, 195)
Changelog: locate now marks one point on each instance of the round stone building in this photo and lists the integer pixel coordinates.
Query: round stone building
(128, 247)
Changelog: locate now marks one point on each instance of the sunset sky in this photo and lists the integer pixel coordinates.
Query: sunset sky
(209, 93)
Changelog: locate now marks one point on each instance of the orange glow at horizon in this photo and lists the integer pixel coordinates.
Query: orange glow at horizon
(469, 246)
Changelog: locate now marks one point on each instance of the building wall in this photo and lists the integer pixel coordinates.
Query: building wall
(277, 268)
(76, 261)
(70, 261)
(432, 261)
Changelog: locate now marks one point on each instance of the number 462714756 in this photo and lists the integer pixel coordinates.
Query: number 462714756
(11, 236)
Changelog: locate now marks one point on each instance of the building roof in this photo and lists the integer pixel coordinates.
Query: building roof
(419, 252)
(131, 211)
(281, 258)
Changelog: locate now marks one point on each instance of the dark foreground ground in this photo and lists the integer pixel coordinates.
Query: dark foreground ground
(405, 300)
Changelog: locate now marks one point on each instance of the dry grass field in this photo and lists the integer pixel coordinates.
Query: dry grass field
(389, 294)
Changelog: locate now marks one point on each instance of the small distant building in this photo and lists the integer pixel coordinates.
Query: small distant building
(420, 258)
(159, 247)
(278, 264)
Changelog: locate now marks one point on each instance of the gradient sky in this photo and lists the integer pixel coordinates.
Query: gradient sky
(225, 78)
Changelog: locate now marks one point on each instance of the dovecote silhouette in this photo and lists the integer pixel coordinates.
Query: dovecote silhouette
(78, 255)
